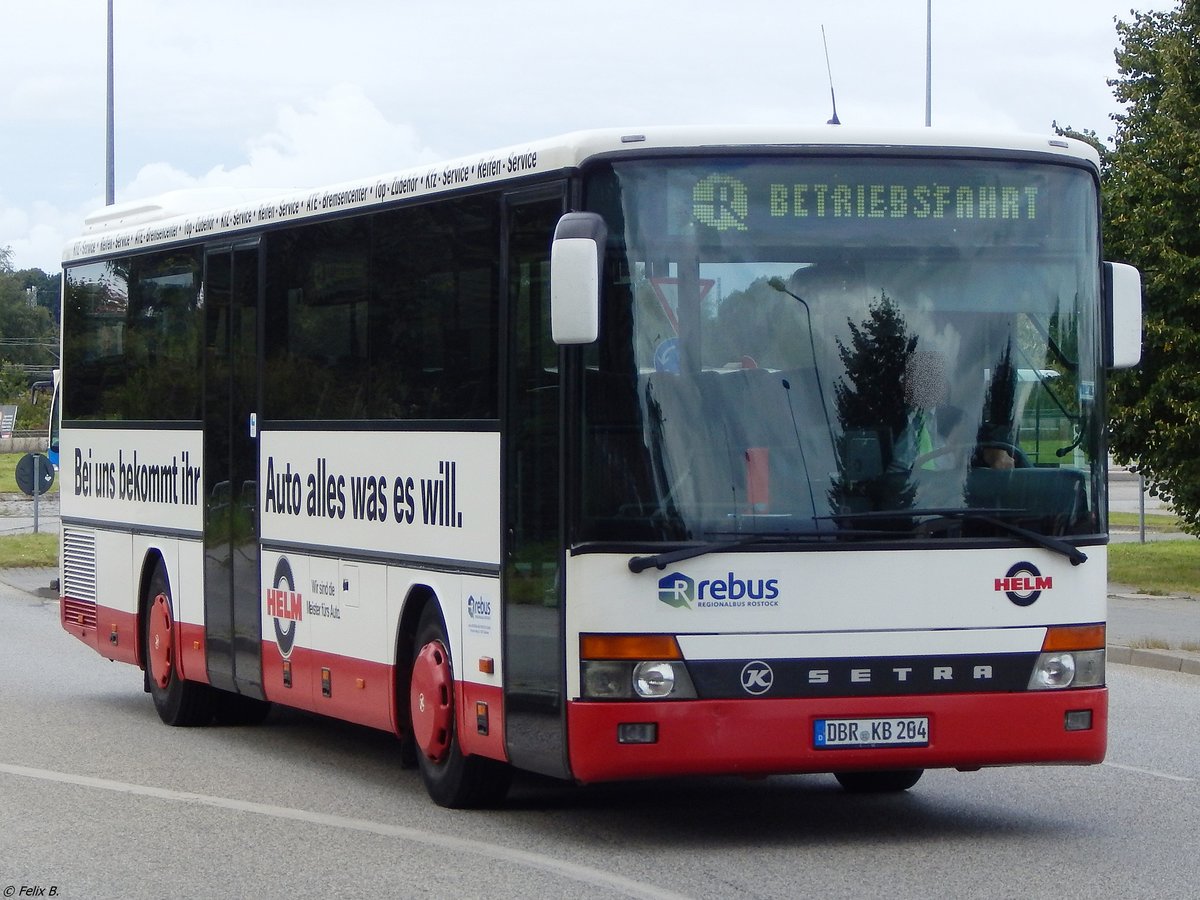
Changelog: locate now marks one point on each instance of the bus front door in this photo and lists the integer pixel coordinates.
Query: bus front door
(535, 726)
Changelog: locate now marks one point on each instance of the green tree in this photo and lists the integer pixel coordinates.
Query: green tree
(1152, 199)
(28, 337)
(27, 330)
(871, 405)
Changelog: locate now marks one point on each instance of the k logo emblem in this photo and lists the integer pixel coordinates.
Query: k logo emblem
(757, 677)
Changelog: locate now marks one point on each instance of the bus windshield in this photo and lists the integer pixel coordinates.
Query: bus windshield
(858, 347)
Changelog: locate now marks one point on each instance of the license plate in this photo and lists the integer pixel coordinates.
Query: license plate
(910, 731)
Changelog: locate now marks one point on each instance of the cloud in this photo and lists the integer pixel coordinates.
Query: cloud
(338, 135)
(41, 233)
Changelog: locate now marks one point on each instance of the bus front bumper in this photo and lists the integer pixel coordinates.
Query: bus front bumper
(762, 737)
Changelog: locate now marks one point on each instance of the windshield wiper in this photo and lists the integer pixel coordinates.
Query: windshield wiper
(1055, 545)
(986, 516)
(662, 560)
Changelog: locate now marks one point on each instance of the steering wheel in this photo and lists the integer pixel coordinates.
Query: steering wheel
(1020, 460)
(973, 452)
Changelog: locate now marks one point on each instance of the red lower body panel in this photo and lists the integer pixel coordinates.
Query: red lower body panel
(476, 736)
(356, 690)
(110, 632)
(192, 660)
(365, 692)
(114, 634)
(758, 737)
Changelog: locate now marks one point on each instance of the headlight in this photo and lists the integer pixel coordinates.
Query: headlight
(1068, 669)
(653, 679)
(604, 679)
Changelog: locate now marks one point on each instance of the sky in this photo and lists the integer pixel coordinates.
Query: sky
(298, 93)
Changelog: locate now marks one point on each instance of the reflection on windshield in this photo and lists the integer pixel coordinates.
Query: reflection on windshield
(744, 389)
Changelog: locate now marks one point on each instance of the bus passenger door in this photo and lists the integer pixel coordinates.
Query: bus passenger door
(233, 622)
(532, 582)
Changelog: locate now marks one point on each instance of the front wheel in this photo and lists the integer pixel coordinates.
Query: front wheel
(177, 701)
(887, 782)
(452, 780)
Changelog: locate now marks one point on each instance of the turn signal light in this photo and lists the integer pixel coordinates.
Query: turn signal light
(1073, 637)
(629, 646)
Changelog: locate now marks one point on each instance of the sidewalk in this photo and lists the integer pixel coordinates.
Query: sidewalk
(1143, 630)
(39, 582)
(1157, 632)
(17, 514)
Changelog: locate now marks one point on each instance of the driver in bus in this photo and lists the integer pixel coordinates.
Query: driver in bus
(923, 444)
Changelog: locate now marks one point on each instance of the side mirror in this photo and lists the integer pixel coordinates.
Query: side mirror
(1123, 315)
(576, 267)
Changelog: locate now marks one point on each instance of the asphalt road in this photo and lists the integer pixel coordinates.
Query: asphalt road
(1126, 493)
(98, 799)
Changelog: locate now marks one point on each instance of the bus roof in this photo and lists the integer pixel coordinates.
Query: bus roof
(195, 215)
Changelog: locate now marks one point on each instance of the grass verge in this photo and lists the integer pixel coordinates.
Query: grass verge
(1154, 521)
(35, 551)
(1162, 567)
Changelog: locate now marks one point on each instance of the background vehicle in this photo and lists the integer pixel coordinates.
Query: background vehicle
(55, 418)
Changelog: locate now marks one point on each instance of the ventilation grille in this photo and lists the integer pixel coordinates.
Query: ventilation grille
(79, 565)
(76, 613)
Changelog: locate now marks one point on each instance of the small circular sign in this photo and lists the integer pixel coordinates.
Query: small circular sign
(35, 474)
(666, 356)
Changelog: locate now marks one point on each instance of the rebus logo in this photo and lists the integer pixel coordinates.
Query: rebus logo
(680, 591)
(677, 590)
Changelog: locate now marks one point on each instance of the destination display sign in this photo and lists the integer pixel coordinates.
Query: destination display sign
(867, 200)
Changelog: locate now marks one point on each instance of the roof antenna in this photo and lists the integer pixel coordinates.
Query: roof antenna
(833, 99)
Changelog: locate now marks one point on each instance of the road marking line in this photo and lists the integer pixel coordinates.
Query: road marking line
(1153, 772)
(573, 871)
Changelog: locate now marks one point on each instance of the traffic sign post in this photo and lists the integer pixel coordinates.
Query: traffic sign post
(35, 476)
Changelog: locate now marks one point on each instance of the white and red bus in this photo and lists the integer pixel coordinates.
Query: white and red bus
(615, 456)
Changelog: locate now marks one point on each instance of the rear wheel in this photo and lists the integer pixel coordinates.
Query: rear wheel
(452, 779)
(888, 782)
(178, 702)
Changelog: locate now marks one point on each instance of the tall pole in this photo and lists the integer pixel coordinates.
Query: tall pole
(929, 60)
(109, 164)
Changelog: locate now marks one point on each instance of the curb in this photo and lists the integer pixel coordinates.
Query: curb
(1167, 660)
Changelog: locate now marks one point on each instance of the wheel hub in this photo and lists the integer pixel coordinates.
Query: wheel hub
(161, 658)
(432, 701)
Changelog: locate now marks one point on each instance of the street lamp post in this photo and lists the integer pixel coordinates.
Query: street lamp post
(109, 165)
(929, 60)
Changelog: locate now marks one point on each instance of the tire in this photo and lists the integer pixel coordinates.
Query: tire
(452, 780)
(887, 782)
(178, 702)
